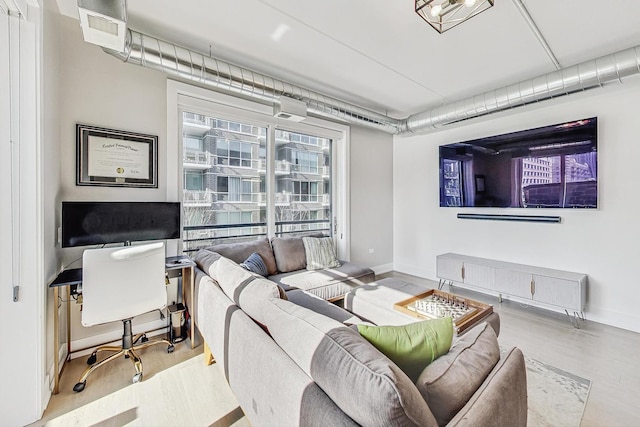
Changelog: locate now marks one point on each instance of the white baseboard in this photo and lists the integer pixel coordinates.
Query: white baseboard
(384, 268)
(626, 321)
(414, 271)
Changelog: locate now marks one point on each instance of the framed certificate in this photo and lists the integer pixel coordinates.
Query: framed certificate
(116, 158)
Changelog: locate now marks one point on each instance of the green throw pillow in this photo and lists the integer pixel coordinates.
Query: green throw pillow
(412, 347)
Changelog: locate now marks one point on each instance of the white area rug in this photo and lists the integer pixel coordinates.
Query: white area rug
(556, 398)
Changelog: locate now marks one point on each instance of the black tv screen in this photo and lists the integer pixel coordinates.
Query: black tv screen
(553, 166)
(94, 223)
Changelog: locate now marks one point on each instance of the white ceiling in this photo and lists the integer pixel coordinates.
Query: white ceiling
(379, 54)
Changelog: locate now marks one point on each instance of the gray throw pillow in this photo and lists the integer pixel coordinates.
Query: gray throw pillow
(448, 383)
(320, 253)
(255, 264)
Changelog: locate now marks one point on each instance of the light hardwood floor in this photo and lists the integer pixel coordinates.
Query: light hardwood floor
(608, 356)
(170, 394)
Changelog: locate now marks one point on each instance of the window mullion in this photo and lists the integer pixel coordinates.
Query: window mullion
(270, 178)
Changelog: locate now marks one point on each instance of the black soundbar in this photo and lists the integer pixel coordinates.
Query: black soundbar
(501, 217)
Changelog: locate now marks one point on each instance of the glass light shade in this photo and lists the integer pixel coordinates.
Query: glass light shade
(443, 15)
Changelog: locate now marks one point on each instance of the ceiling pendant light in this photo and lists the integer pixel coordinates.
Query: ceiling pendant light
(443, 15)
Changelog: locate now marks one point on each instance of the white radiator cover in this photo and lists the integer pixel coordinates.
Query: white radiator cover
(543, 287)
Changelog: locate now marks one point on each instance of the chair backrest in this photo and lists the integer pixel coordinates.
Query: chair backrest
(123, 282)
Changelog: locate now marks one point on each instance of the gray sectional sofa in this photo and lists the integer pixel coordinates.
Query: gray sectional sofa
(286, 263)
(292, 358)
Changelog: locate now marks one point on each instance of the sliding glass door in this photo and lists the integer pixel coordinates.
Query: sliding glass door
(302, 183)
(233, 191)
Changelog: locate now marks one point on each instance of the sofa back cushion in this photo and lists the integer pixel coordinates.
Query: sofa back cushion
(239, 252)
(450, 381)
(363, 382)
(289, 254)
(248, 290)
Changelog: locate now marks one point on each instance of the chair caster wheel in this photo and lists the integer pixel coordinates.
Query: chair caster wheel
(137, 378)
(92, 359)
(144, 339)
(170, 348)
(79, 387)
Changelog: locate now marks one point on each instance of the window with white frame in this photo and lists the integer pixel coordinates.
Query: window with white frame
(262, 179)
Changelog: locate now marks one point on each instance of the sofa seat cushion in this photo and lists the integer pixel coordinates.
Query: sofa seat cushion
(450, 381)
(364, 383)
(240, 251)
(328, 284)
(375, 302)
(324, 307)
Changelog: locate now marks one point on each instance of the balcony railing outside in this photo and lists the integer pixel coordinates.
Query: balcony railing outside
(193, 197)
(282, 199)
(303, 227)
(281, 167)
(196, 119)
(200, 236)
(196, 157)
(304, 198)
(238, 198)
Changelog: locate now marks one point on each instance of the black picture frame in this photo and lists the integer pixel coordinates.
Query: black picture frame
(115, 158)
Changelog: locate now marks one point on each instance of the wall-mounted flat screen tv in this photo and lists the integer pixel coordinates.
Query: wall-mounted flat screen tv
(553, 166)
(94, 223)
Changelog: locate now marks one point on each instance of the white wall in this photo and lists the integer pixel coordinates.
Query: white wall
(51, 166)
(21, 217)
(601, 243)
(98, 89)
(371, 170)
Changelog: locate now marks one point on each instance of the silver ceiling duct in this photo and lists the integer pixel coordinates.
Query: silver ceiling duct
(586, 75)
(210, 72)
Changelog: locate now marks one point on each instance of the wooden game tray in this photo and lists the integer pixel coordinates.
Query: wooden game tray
(477, 310)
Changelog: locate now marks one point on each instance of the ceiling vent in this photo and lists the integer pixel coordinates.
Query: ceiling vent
(290, 109)
(104, 22)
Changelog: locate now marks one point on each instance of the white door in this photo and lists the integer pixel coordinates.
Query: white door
(22, 355)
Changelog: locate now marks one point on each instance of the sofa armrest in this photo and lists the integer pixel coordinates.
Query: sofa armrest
(501, 400)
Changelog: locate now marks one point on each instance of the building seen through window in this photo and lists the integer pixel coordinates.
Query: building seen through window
(225, 170)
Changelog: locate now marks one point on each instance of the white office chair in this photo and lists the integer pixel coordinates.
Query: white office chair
(119, 284)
